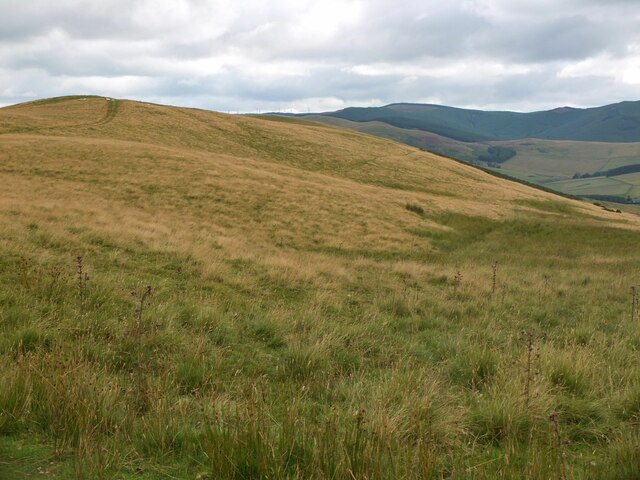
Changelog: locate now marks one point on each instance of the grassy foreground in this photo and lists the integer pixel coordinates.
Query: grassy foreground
(185, 294)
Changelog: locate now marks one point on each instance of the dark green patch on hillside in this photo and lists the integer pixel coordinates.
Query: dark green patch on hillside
(612, 172)
(497, 154)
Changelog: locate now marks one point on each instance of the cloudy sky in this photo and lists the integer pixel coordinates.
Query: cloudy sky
(318, 55)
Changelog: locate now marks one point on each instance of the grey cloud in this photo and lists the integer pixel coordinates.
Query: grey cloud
(441, 34)
(95, 19)
(387, 32)
(567, 38)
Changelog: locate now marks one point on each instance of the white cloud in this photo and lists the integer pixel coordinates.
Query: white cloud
(480, 69)
(625, 70)
(120, 85)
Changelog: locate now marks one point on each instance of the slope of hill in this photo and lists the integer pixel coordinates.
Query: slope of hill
(186, 294)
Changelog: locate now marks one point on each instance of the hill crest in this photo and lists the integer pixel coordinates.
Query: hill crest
(618, 122)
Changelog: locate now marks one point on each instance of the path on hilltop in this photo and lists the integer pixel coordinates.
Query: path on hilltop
(112, 110)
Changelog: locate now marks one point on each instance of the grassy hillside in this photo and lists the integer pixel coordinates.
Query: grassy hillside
(431, 142)
(612, 123)
(186, 294)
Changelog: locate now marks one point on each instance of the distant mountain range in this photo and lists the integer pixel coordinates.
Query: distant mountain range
(619, 122)
(567, 149)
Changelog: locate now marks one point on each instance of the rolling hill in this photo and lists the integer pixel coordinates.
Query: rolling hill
(612, 123)
(547, 148)
(187, 294)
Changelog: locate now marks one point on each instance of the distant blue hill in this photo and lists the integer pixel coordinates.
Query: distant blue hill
(618, 122)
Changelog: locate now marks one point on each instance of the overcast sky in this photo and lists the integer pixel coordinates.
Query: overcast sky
(318, 55)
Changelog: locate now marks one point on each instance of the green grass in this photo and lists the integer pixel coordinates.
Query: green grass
(549, 206)
(222, 383)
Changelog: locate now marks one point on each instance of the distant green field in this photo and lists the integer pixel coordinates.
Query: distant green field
(623, 185)
(598, 186)
(565, 158)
